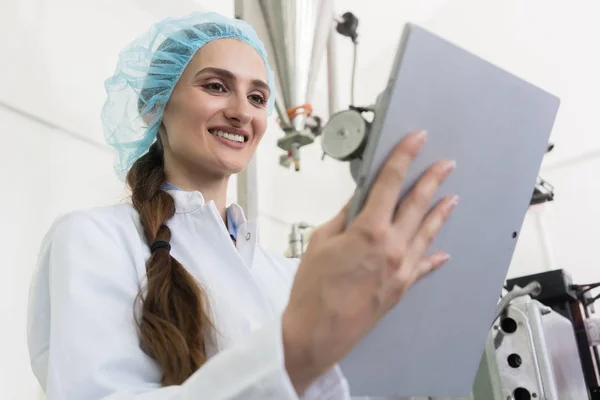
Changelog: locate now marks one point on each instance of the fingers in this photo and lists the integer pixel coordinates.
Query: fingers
(405, 277)
(429, 264)
(383, 196)
(431, 226)
(412, 209)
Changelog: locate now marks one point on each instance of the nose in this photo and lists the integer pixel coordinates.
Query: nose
(238, 111)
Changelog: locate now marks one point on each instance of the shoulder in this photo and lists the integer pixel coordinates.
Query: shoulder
(113, 223)
(101, 241)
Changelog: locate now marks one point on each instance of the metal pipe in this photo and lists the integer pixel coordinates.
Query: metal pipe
(332, 69)
(238, 9)
(247, 180)
(296, 242)
(247, 189)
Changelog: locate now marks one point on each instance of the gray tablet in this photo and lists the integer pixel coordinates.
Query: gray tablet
(496, 126)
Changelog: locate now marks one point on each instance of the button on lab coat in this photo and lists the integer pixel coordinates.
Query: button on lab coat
(82, 334)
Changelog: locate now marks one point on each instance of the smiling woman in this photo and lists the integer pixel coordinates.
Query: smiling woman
(135, 305)
(171, 296)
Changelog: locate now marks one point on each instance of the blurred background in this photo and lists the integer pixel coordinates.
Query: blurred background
(57, 53)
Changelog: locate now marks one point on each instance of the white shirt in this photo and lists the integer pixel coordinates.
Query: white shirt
(82, 335)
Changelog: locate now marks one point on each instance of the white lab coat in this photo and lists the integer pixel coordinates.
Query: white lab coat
(82, 336)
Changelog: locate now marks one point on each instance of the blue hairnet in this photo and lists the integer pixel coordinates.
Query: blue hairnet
(147, 71)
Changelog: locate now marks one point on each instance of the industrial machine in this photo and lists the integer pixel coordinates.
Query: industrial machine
(556, 332)
(541, 345)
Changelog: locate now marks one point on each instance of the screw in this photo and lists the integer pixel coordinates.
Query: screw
(343, 132)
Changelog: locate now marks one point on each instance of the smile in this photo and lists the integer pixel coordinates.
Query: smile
(234, 137)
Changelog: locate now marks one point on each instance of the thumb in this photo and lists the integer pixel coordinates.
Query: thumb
(336, 225)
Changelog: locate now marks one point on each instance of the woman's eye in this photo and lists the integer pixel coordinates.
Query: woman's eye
(257, 98)
(214, 86)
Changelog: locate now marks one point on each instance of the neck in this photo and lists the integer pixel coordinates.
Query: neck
(212, 188)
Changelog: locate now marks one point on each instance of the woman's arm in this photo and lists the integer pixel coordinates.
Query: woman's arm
(84, 343)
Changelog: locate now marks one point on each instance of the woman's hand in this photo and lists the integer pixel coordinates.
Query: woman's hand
(348, 280)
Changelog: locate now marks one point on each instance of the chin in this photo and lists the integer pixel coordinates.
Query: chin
(232, 168)
(237, 169)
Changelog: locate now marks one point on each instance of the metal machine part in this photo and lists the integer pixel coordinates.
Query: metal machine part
(531, 353)
(297, 240)
(345, 135)
(559, 293)
(291, 143)
(536, 354)
(297, 33)
(533, 288)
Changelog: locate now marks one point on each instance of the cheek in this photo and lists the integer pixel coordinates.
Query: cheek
(194, 108)
(186, 120)
(259, 126)
(197, 112)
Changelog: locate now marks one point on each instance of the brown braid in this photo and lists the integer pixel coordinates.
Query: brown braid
(174, 321)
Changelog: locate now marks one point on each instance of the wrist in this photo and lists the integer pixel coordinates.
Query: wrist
(300, 366)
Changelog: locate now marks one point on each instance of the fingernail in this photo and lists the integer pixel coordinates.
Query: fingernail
(443, 257)
(449, 166)
(440, 259)
(422, 135)
(452, 203)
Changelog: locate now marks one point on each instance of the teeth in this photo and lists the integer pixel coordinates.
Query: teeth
(230, 136)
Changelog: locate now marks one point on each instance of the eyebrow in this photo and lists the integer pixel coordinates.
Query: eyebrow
(229, 75)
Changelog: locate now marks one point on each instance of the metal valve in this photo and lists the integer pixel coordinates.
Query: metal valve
(344, 137)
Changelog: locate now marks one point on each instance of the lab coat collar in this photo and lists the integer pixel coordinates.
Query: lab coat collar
(186, 202)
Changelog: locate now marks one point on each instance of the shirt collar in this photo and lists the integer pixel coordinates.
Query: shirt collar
(189, 201)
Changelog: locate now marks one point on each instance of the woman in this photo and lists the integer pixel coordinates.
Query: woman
(170, 297)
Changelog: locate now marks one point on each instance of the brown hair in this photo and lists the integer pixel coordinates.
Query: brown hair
(174, 322)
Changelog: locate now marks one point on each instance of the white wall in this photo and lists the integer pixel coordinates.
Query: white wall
(62, 50)
(56, 55)
(45, 172)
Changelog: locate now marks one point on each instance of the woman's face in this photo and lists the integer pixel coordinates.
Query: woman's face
(216, 115)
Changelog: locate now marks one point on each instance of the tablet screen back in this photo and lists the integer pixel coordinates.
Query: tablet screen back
(496, 126)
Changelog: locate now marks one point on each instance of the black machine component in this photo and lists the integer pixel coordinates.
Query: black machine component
(348, 26)
(543, 191)
(572, 302)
